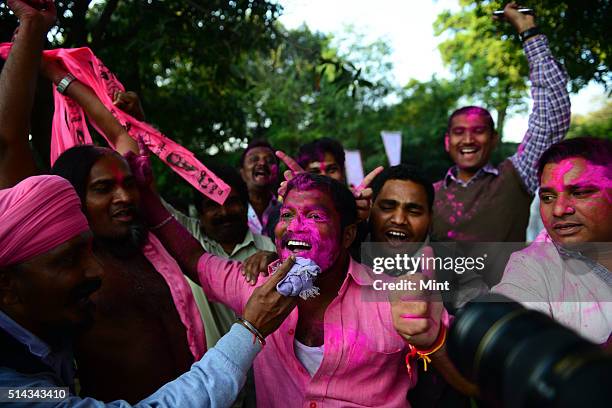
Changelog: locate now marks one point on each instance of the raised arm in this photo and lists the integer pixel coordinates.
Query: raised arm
(95, 109)
(550, 117)
(17, 86)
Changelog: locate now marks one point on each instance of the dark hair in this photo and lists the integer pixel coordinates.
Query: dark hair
(403, 172)
(75, 165)
(313, 151)
(253, 144)
(231, 177)
(466, 110)
(595, 150)
(339, 193)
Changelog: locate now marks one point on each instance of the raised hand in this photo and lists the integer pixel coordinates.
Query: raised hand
(293, 169)
(129, 102)
(257, 264)
(520, 21)
(34, 11)
(266, 308)
(363, 194)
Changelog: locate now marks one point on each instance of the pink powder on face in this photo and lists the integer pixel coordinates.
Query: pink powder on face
(557, 177)
(581, 193)
(302, 219)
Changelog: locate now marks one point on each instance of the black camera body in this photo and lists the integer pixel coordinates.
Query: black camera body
(523, 358)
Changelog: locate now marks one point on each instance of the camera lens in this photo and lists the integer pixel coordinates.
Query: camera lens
(522, 358)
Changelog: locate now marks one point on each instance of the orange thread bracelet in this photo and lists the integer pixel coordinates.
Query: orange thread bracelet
(424, 354)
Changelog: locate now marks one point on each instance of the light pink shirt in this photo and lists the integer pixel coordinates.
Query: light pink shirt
(364, 358)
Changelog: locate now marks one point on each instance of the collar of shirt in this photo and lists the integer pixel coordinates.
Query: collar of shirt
(255, 224)
(599, 270)
(451, 175)
(360, 343)
(61, 362)
(216, 248)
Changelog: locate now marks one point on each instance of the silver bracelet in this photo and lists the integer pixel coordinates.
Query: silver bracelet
(161, 224)
(252, 329)
(64, 83)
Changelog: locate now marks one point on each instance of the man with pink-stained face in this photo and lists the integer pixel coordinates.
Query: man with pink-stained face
(333, 344)
(568, 275)
(478, 201)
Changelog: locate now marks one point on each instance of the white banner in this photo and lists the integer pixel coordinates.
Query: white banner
(354, 167)
(393, 146)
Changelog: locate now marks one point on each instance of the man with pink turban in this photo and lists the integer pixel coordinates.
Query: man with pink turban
(47, 274)
(48, 270)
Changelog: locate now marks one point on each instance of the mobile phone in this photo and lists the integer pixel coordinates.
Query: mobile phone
(500, 13)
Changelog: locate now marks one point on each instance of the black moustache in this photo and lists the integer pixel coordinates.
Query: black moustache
(86, 289)
(224, 220)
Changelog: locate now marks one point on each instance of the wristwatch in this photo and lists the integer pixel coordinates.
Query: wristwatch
(64, 83)
(530, 32)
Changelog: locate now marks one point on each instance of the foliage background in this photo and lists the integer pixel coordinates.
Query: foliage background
(213, 74)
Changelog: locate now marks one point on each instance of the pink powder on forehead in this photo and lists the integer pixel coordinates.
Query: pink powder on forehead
(324, 249)
(557, 177)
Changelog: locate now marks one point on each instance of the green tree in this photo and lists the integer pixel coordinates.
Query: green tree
(308, 88)
(597, 123)
(487, 57)
(491, 67)
(182, 57)
(578, 32)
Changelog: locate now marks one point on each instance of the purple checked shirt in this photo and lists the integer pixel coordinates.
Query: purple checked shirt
(549, 119)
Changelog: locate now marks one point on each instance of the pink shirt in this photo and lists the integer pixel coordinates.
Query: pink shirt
(364, 359)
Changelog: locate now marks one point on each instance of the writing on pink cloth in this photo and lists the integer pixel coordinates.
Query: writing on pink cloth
(69, 126)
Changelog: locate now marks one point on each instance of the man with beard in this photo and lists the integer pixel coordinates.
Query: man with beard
(147, 328)
(48, 270)
(337, 348)
(259, 170)
(48, 273)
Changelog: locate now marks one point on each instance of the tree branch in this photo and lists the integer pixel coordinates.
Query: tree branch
(100, 28)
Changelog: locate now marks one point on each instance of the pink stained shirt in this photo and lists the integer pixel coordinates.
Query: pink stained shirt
(364, 357)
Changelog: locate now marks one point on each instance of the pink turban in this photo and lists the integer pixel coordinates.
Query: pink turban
(37, 215)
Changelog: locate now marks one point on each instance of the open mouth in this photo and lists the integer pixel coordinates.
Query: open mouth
(296, 246)
(123, 215)
(260, 173)
(567, 228)
(396, 236)
(469, 152)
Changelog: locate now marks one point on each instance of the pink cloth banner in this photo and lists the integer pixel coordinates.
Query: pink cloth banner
(70, 129)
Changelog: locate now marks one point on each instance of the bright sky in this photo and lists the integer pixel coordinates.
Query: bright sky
(407, 27)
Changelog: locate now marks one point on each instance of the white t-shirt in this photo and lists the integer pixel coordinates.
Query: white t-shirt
(566, 289)
(310, 357)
